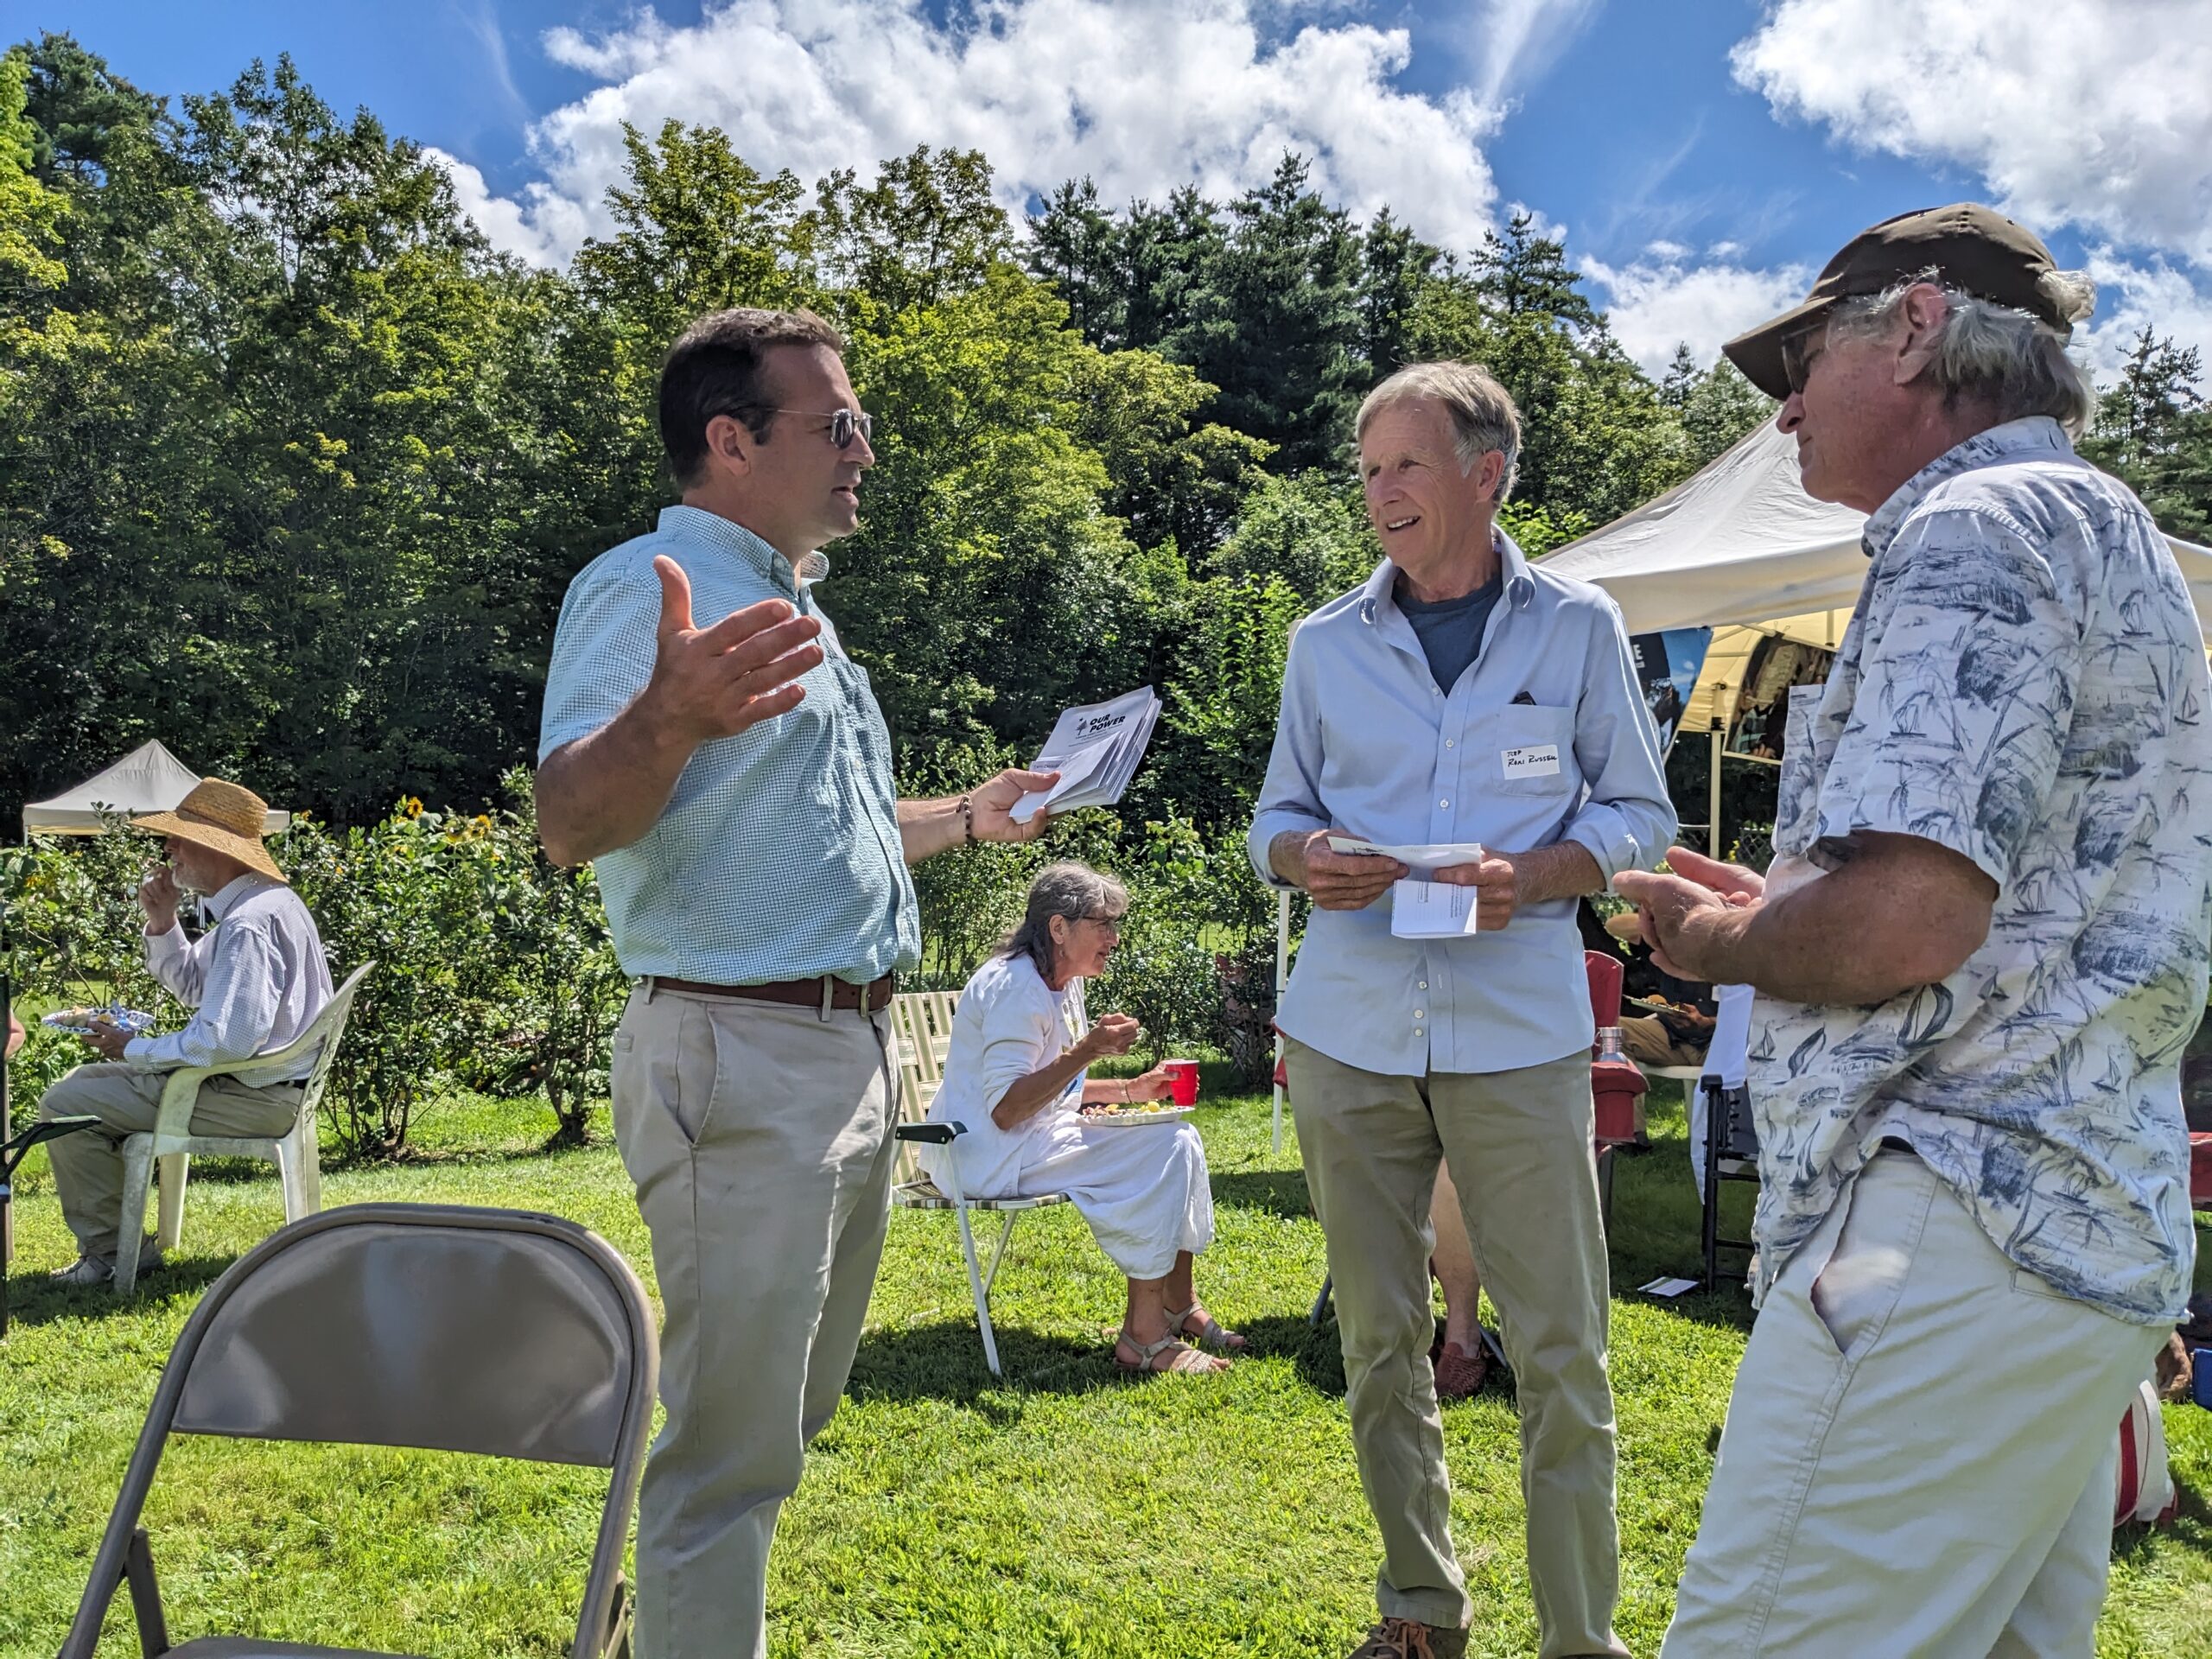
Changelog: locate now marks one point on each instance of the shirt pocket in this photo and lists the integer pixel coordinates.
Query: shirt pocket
(1524, 750)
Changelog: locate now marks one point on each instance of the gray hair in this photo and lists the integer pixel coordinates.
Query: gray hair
(1070, 889)
(2013, 361)
(1483, 416)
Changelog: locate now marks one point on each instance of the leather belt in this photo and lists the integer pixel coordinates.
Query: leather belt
(824, 992)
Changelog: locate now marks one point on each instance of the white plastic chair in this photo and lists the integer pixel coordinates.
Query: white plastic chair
(298, 1169)
(922, 1022)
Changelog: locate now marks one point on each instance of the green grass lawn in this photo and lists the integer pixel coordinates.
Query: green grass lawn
(1063, 1511)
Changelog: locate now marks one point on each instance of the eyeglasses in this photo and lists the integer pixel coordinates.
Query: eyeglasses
(844, 424)
(1797, 361)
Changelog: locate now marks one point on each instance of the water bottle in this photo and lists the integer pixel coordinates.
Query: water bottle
(1609, 1045)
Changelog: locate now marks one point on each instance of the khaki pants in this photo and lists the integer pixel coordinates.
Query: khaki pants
(1519, 1147)
(1920, 1449)
(759, 1135)
(88, 1165)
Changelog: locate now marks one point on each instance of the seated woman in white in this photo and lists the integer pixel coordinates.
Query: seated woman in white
(1016, 1077)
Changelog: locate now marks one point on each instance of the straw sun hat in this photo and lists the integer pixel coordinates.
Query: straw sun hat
(224, 817)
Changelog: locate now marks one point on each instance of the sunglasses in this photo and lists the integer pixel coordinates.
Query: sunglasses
(1800, 351)
(844, 424)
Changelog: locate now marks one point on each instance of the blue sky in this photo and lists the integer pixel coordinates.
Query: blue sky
(1700, 156)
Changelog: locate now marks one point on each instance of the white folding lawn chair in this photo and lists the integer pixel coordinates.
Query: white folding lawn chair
(922, 1022)
(171, 1143)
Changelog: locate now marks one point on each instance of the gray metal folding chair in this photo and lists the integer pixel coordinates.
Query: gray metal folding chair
(496, 1332)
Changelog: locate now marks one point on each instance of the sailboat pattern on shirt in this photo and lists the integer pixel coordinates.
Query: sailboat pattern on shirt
(2023, 682)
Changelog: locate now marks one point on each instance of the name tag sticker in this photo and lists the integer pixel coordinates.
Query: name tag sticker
(1533, 760)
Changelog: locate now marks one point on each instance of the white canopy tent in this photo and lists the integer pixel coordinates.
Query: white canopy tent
(148, 779)
(1742, 550)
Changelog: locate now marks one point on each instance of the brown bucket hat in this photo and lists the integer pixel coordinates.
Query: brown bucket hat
(1969, 246)
(226, 817)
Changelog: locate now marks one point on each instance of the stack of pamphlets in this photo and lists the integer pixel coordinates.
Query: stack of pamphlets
(1096, 749)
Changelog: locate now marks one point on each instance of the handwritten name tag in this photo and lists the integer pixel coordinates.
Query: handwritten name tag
(1534, 760)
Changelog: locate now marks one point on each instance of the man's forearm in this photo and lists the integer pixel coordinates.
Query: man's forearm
(608, 789)
(930, 827)
(1826, 943)
(1563, 870)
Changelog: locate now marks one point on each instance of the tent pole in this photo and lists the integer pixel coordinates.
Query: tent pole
(1282, 975)
(1713, 798)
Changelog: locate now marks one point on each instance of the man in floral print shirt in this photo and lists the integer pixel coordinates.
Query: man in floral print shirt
(1981, 950)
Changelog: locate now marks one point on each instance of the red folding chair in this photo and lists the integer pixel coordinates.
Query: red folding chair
(1616, 1086)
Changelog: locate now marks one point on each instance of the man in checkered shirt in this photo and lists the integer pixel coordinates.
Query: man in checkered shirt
(733, 781)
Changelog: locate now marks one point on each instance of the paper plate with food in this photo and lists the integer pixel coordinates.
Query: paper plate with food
(84, 1021)
(1142, 1111)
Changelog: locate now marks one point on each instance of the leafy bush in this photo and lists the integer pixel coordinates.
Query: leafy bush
(495, 970)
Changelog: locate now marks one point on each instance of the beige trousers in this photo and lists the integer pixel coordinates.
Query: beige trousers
(88, 1165)
(1919, 1456)
(759, 1136)
(1519, 1147)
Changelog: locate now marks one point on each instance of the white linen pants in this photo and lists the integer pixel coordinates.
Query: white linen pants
(1919, 1453)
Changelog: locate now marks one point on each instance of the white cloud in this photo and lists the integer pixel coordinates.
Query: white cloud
(1661, 301)
(541, 229)
(1515, 42)
(1143, 95)
(2096, 113)
(2131, 297)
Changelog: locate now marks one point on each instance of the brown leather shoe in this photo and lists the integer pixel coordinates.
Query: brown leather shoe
(1460, 1374)
(1409, 1639)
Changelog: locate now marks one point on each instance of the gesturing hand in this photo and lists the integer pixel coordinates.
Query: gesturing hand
(991, 805)
(1114, 1034)
(1677, 916)
(1731, 881)
(1344, 881)
(720, 680)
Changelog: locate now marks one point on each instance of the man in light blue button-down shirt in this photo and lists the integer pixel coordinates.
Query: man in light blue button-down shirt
(734, 782)
(1530, 736)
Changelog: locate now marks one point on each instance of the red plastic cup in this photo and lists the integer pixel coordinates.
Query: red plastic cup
(1184, 1074)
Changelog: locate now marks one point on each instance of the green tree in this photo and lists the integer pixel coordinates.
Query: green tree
(1074, 245)
(1274, 322)
(1394, 266)
(927, 229)
(2154, 430)
(1716, 406)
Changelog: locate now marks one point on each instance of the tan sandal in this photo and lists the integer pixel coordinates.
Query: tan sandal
(1211, 1335)
(1186, 1358)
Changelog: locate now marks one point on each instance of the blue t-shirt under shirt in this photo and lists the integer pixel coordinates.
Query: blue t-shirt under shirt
(1451, 630)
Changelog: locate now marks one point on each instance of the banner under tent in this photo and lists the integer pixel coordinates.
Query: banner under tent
(1741, 555)
(148, 779)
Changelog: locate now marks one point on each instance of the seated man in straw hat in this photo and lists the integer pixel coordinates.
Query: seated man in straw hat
(255, 980)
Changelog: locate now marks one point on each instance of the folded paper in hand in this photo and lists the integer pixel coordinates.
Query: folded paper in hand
(1431, 910)
(1096, 750)
(1421, 909)
(1421, 860)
